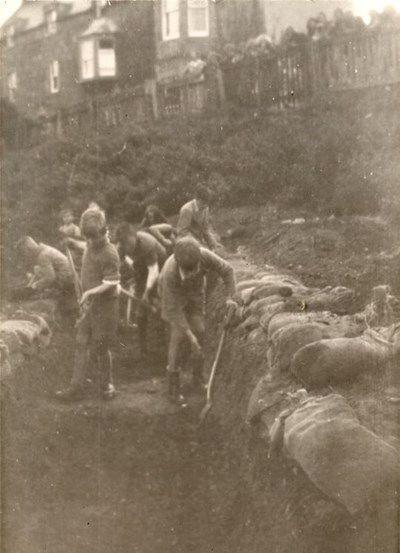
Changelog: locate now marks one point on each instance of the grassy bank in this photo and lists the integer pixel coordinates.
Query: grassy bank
(340, 159)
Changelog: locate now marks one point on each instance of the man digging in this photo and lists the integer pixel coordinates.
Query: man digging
(148, 257)
(182, 286)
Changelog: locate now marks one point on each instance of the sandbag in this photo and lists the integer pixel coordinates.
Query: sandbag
(246, 295)
(5, 366)
(256, 336)
(266, 290)
(281, 320)
(339, 360)
(289, 339)
(257, 307)
(338, 300)
(347, 326)
(26, 331)
(347, 462)
(11, 340)
(250, 323)
(35, 318)
(47, 308)
(251, 283)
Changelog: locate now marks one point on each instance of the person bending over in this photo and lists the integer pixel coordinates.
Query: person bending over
(52, 275)
(155, 223)
(148, 257)
(182, 292)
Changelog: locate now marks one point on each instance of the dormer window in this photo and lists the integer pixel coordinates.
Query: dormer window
(10, 36)
(198, 18)
(170, 19)
(54, 74)
(51, 22)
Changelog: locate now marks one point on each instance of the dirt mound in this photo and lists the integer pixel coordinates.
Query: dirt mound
(325, 251)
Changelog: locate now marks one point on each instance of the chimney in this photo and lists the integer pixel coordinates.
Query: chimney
(96, 7)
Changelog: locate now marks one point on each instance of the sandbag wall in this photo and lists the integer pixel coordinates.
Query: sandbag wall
(24, 333)
(299, 375)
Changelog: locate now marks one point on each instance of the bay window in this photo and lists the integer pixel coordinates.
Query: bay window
(10, 34)
(170, 19)
(106, 58)
(87, 59)
(51, 22)
(198, 18)
(98, 58)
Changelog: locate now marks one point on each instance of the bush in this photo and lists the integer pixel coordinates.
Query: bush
(335, 159)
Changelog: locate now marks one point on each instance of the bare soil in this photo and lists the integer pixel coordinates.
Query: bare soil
(140, 475)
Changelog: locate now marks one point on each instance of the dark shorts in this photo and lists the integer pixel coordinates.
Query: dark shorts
(101, 322)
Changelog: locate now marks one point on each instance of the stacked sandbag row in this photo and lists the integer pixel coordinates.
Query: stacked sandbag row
(312, 343)
(24, 332)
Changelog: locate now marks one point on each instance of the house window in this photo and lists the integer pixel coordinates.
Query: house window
(106, 58)
(12, 86)
(87, 60)
(198, 18)
(10, 35)
(170, 19)
(51, 21)
(172, 100)
(54, 77)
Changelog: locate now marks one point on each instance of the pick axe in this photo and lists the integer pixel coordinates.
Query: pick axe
(75, 277)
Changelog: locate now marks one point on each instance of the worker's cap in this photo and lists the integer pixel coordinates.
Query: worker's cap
(187, 253)
(202, 193)
(123, 232)
(93, 223)
(25, 244)
(65, 212)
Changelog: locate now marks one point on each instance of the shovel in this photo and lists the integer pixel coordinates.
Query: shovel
(227, 321)
(75, 277)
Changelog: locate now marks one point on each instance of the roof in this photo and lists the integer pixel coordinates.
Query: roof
(31, 14)
(101, 26)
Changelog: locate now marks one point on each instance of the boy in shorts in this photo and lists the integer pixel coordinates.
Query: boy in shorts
(97, 327)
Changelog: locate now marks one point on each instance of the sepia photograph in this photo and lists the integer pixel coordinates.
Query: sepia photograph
(200, 276)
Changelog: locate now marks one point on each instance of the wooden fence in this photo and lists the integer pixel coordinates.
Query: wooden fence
(293, 76)
(357, 61)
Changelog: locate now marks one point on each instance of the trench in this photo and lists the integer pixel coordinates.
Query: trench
(138, 475)
(131, 475)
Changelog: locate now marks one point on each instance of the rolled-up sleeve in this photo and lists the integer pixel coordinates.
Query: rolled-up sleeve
(184, 222)
(213, 262)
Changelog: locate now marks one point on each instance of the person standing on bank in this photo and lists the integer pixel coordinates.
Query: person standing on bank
(148, 257)
(194, 219)
(182, 292)
(97, 327)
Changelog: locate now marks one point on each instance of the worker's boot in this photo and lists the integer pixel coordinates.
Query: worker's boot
(77, 388)
(174, 388)
(142, 335)
(198, 383)
(70, 394)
